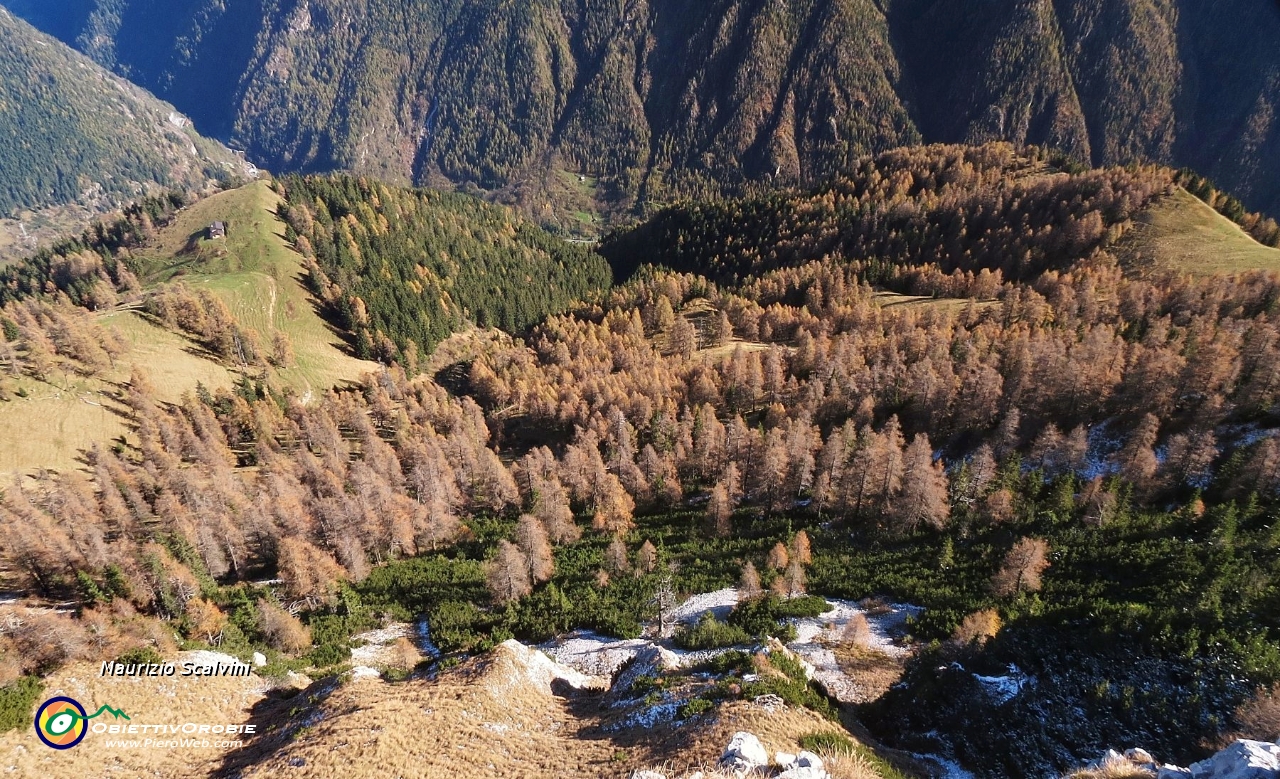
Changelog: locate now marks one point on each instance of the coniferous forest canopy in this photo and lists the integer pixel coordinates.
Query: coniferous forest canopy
(401, 269)
(659, 98)
(70, 131)
(1070, 465)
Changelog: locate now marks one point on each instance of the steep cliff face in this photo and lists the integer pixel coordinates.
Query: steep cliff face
(655, 95)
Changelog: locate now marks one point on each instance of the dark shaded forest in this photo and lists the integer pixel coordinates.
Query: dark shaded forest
(70, 131)
(661, 100)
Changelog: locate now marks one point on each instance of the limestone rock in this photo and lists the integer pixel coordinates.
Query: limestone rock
(744, 753)
(259, 659)
(1242, 760)
(1139, 755)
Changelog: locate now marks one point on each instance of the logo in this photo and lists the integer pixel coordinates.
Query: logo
(61, 722)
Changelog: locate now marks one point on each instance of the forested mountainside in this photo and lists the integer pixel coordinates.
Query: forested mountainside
(970, 216)
(655, 97)
(402, 269)
(1071, 467)
(71, 133)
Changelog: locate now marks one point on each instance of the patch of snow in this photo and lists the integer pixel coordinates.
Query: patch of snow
(649, 717)
(1103, 445)
(206, 657)
(948, 769)
(377, 645)
(425, 643)
(595, 655)
(365, 672)
(720, 603)
(830, 626)
(1003, 688)
(592, 653)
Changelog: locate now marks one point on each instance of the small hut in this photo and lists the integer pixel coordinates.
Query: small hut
(217, 230)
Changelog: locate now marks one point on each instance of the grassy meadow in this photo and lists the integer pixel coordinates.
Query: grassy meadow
(1182, 232)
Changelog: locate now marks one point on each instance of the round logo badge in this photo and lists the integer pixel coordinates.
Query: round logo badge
(61, 722)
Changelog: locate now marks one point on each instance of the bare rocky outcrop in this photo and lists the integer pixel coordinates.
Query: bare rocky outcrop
(1244, 759)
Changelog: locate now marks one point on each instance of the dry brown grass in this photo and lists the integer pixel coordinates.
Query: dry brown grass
(1259, 717)
(1112, 769)
(487, 718)
(840, 766)
(949, 305)
(151, 700)
(1183, 233)
(871, 671)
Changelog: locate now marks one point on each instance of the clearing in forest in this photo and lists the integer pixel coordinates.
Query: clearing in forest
(1182, 232)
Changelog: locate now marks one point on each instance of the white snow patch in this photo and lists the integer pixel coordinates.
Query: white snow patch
(364, 672)
(592, 653)
(830, 626)
(720, 603)
(377, 644)
(948, 769)
(206, 657)
(600, 656)
(425, 643)
(649, 717)
(1003, 688)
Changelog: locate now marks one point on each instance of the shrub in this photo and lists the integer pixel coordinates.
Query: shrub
(1259, 717)
(283, 630)
(694, 707)
(806, 606)
(857, 631)
(792, 686)
(327, 655)
(793, 693)
(710, 633)
(763, 616)
(646, 684)
(16, 702)
(729, 662)
(828, 743)
(141, 655)
(977, 628)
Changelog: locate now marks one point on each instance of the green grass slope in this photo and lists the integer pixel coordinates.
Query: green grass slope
(1182, 232)
(253, 270)
(258, 275)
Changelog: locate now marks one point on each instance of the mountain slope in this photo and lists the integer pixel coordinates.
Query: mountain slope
(72, 134)
(49, 423)
(660, 99)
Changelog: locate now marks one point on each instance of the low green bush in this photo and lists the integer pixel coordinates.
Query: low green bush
(141, 655)
(693, 707)
(711, 633)
(729, 662)
(763, 616)
(17, 700)
(827, 743)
